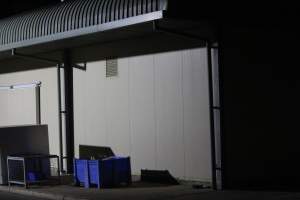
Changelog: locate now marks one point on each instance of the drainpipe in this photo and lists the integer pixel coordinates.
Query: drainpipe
(69, 109)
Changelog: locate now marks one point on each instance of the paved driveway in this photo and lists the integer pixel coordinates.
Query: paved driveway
(155, 193)
(9, 196)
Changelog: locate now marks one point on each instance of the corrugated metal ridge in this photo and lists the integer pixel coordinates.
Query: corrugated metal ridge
(72, 15)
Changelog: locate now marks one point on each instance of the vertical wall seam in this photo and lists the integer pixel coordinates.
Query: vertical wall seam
(86, 95)
(183, 114)
(155, 113)
(105, 103)
(129, 109)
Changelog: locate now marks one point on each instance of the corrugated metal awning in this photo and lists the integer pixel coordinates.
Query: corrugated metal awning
(70, 16)
(70, 19)
(90, 26)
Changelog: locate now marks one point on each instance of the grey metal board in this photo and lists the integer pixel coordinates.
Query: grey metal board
(31, 139)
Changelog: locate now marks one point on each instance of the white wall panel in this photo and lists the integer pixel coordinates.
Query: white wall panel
(142, 112)
(155, 110)
(94, 108)
(196, 115)
(117, 110)
(19, 106)
(169, 107)
(81, 108)
(4, 108)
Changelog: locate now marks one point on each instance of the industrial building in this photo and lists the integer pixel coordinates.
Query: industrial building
(199, 95)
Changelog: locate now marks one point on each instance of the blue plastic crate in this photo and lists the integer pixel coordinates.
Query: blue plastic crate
(121, 170)
(80, 171)
(100, 173)
(114, 171)
(93, 173)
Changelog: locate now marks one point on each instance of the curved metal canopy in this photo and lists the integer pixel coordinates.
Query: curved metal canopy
(97, 29)
(72, 15)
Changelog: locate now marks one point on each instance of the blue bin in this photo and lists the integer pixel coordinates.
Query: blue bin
(93, 173)
(80, 171)
(114, 171)
(100, 173)
(121, 170)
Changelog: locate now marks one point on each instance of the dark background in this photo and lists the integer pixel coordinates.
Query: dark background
(260, 85)
(10, 7)
(259, 60)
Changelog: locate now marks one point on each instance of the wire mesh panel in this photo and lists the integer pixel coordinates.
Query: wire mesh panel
(54, 168)
(33, 169)
(16, 170)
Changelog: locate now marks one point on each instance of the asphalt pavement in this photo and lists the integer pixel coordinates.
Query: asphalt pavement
(154, 193)
(10, 196)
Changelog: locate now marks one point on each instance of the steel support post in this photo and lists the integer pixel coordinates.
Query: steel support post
(69, 109)
(38, 104)
(211, 111)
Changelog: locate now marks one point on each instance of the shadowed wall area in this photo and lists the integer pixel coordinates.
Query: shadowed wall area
(261, 105)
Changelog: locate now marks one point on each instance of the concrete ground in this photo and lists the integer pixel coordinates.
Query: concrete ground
(182, 192)
(10, 196)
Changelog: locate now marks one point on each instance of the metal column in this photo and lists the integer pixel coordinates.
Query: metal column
(69, 104)
(69, 109)
(60, 128)
(38, 103)
(215, 108)
(211, 109)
